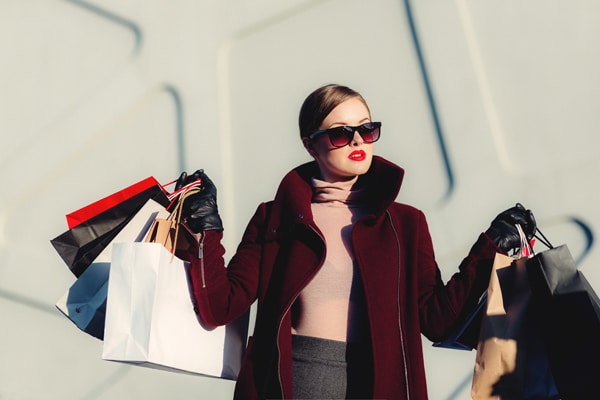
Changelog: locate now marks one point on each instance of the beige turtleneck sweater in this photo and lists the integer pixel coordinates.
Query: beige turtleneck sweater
(332, 306)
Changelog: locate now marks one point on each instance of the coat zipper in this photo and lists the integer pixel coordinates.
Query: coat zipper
(287, 310)
(402, 344)
(201, 258)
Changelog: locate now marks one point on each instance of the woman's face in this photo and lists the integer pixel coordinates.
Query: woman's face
(342, 163)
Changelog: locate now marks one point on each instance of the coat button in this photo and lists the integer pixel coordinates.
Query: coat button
(300, 216)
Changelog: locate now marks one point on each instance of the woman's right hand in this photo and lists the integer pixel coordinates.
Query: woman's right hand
(200, 211)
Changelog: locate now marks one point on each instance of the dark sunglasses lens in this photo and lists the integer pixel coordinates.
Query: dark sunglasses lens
(340, 136)
(369, 132)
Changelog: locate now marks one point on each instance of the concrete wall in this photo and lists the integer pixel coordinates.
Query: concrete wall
(483, 103)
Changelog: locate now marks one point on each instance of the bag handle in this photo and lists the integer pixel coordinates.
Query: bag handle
(526, 249)
(176, 214)
(174, 195)
(542, 239)
(174, 217)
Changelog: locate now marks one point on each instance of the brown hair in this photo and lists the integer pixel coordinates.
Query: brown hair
(320, 103)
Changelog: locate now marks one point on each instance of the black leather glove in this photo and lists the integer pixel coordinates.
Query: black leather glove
(503, 231)
(200, 211)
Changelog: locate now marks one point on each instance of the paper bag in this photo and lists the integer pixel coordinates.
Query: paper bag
(567, 310)
(496, 374)
(80, 245)
(85, 301)
(150, 317)
(509, 363)
(83, 214)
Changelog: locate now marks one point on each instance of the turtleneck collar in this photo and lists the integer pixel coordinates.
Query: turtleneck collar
(347, 192)
(295, 191)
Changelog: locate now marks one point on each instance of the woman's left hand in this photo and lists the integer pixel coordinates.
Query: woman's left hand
(200, 210)
(503, 230)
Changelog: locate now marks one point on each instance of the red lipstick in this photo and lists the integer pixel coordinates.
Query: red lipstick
(357, 155)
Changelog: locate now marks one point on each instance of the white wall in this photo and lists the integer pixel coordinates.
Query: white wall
(484, 104)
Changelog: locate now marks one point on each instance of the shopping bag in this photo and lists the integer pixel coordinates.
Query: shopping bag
(150, 317)
(91, 210)
(79, 246)
(495, 372)
(508, 363)
(166, 230)
(567, 310)
(466, 335)
(85, 301)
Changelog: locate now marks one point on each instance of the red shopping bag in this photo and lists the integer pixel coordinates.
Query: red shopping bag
(91, 210)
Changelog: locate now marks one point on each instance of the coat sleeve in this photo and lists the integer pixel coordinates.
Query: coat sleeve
(223, 293)
(442, 306)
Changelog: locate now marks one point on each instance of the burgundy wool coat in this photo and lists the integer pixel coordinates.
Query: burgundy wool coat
(282, 249)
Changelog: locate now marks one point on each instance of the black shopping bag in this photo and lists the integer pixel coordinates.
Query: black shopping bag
(466, 335)
(568, 313)
(80, 245)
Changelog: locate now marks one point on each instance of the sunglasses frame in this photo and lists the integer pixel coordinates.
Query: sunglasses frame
(349, 132)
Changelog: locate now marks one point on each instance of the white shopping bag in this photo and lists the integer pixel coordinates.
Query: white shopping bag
(85, 301)
(150, 318)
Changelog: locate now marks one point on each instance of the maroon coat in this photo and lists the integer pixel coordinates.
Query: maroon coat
(282, 249)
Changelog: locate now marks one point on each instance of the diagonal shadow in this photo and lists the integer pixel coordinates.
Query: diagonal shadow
(431, 100)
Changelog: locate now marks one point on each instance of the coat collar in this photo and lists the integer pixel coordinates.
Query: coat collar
(295, 191)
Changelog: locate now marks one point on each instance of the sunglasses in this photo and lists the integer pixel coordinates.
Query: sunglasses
(340, 136)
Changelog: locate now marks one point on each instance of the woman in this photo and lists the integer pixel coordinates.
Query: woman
(345, 277)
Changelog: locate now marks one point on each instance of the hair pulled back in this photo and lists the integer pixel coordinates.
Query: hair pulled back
(320, 103)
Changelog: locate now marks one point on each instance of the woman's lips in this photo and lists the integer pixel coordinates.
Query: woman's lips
(357, 155)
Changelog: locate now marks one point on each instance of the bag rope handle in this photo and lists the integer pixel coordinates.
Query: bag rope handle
(175, 194)
(542, 239)
(526, 249)
(176, 214)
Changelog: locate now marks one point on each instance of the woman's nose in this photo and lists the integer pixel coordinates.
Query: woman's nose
(357, 139)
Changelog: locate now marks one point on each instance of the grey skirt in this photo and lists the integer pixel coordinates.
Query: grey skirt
(329, 369)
